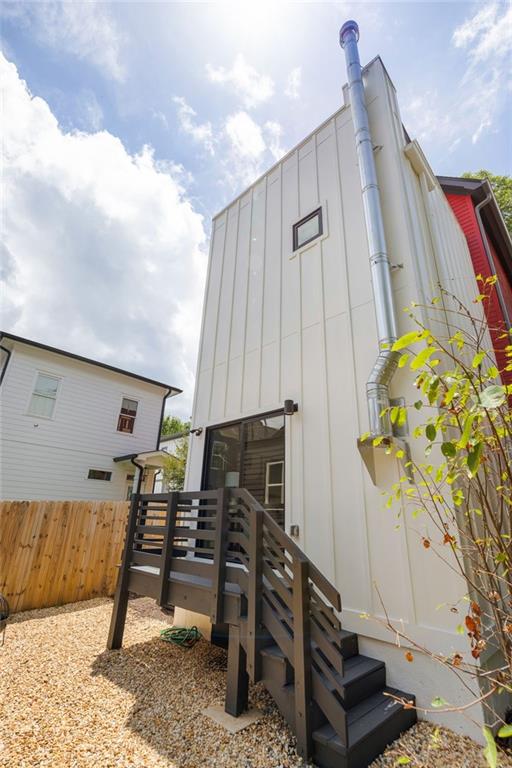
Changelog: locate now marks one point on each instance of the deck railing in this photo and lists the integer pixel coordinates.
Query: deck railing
(225, 537)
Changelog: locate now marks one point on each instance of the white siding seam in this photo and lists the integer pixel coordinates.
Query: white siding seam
(203, 320)
(228, 358)
(263, 273)
(288, 466)
(280, 294)
(61, 448)
(353, 369)
(400, 159)
(217, 314)
(244, 348)
(301, 366)
(397, 152)
(326, 374)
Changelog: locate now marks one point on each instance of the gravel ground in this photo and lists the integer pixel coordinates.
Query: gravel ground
(65, 701)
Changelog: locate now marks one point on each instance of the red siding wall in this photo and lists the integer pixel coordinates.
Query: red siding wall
(463, 208)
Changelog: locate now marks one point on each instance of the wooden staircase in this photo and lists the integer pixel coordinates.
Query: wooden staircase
(220, 554)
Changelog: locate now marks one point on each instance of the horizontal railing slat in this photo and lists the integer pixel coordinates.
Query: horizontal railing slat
(138, 557)
(331, 652)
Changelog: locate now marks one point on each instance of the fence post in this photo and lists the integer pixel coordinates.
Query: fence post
(219, 556)
(302, 656)
(167, 547)
(117, 621)
(254, 593)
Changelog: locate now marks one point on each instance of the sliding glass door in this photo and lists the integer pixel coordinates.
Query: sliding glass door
(249, 454)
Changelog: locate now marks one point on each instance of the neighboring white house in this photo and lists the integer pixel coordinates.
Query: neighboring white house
(289, 315)
(168, 444)
(74, 428)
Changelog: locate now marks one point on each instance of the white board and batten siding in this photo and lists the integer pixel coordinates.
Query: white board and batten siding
(279, 325)
(49, 458)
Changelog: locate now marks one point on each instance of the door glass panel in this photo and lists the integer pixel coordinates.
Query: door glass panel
(249, 455)
(223, 460)
(262, 457)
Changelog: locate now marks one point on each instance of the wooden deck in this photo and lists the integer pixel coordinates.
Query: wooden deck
(220, 554)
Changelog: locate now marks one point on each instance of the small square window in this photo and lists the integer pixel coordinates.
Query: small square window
(307, 229)
(99, 474)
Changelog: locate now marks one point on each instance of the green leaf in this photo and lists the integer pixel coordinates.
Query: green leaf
(466, 434)
(474, 457)
(505, 732)
(422, 357)
(460, 629)
(403, 359)
(477, 360)
(438, 702)
(493, 372)
(493, 396)
(431, 432)
(418, 405)
(450, 394)
(402, 417)
(403, 760)
(364, 436)
(449, 450)
(490, 752)
(409, 338)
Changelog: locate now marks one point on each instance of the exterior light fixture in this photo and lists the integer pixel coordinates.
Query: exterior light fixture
(290, 407)
(197, 431)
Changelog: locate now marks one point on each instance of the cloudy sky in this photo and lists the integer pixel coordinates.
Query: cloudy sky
(127, 125)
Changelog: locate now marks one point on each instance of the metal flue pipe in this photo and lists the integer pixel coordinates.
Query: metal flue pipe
(377, 386)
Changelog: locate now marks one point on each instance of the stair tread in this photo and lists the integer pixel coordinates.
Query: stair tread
(364, 718)
(357, 667)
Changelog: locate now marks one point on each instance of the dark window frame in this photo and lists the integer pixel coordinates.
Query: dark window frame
(211, 427)
(107, 475)
(206, 451)
(317, 212)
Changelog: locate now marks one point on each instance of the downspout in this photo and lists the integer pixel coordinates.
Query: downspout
(139, 473)
(490, 259)
(377, 386)
(162, 413)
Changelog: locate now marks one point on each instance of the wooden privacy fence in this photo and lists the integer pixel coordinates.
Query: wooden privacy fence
(56, 552)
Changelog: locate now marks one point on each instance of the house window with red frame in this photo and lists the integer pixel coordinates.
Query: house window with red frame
(126, 421)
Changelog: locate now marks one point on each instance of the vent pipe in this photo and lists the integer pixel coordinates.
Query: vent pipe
(377, 386)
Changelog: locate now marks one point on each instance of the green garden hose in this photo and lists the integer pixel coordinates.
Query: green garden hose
(185, 637)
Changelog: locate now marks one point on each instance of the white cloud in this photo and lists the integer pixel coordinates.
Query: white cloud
(105, 253)
(274, 131)
(253, 88)
(488, 33)
(245, 135)
(482, 93)
(202, 133)
(90, 111)
(83, 29)
(293, 83)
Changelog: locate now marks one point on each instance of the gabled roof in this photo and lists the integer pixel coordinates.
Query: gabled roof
(55, 350)
(495, 227)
